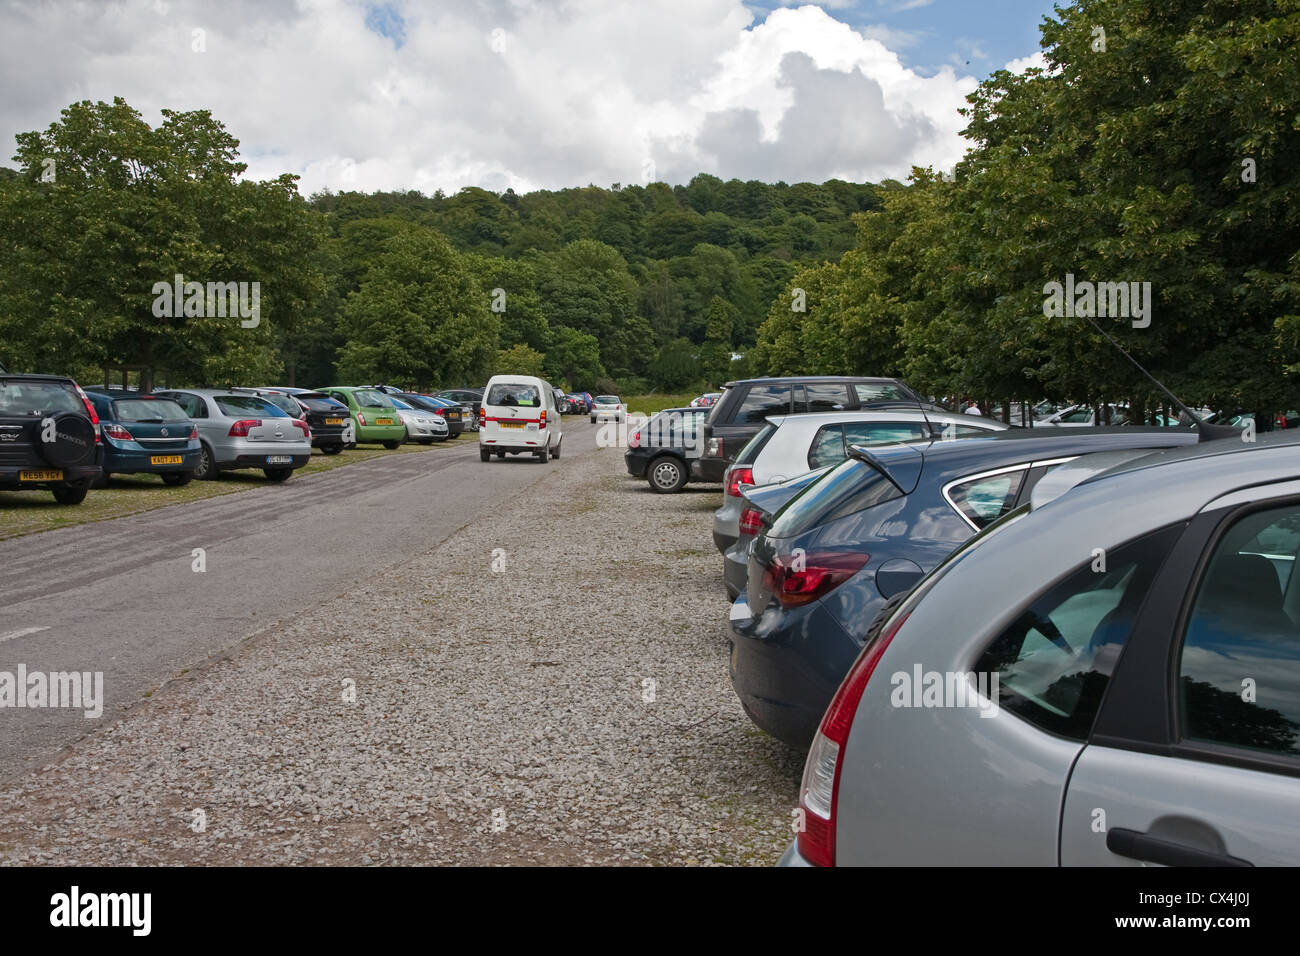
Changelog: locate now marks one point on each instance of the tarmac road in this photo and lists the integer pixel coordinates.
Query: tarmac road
(123, 598)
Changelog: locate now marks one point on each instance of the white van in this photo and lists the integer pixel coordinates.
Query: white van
(519, 416)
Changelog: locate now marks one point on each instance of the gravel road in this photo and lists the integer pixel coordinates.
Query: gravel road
(576, 713)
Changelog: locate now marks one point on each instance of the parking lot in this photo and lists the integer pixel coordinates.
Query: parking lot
(430, 710)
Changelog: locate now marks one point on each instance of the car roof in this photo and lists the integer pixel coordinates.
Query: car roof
(212, 392)
(908, 412)
(1275, 454)
(794, 379)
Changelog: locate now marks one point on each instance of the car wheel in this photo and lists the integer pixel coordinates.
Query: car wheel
(69, 496)
(177, 478)
(390, 445)
(484, 454)
(666, 475)
(205, 470)
(593, 419)
(556, 453)
(426, 441)
(277, 474)
(331, 449)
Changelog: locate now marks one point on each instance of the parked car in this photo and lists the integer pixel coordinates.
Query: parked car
(374, 417)
(1082, 416)
(469, 399)
(240, 431)
(519, 417)
(608, 408)
(1120, 683)
(49, 437)
(789, 445)
(329, 420)
(422, 426)
(579, 403)
(864, 533)
(745, 405)
(145, 434)
(661, 450)
(453, 414)
(561, 400)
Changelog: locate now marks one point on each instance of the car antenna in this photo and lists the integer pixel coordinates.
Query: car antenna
(1207, 431)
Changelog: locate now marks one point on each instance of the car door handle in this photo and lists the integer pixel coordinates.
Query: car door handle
(1142, 846)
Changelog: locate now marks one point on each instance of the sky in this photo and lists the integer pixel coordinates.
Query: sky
(530, 94)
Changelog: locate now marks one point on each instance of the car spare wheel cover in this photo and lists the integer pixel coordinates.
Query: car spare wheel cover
(74, 440)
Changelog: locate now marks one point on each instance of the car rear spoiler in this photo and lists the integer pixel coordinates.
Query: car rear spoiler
(909, 475)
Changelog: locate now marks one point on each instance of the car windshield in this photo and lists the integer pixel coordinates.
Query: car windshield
(369, 398)
(146, 410)
(38, 398)
(514, 393)
(240, 405)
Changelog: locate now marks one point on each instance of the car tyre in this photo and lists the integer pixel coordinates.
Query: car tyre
(593, 419)
(558, 444)
(331, 449)
(206, 470)
(177, 478)
(485, 454)
(392, 445)
(69, 496)
(667, 475)
(277, 474)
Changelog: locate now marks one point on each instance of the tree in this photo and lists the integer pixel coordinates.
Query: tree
(574, 358)
(520, 360)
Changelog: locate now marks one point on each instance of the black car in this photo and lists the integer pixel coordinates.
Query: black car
(328, 419)
(661, 450)
(744, 406)
(470, 398)
(49, 437)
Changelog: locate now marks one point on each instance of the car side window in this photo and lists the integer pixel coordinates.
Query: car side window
(763, 400)
(821, 397)
(1053, 662)
(878, 392)
(983, 500)
(882, 433)
(1239, 673)
(193, 405)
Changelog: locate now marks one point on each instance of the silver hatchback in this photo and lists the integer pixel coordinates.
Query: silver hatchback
(239, 430)
(1111, 677)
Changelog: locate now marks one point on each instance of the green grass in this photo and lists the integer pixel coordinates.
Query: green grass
(649, 404)
(28, 512)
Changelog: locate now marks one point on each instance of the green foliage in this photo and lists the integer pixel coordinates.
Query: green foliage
(520, 360)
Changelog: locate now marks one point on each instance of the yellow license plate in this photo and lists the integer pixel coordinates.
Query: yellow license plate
(333, 421)
(512, 424)
(166, 460)
(40, 476)
(383, 421)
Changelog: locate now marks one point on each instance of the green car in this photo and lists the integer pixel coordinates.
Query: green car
(374, 417)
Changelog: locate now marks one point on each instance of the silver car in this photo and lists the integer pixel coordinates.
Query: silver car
(239, 430)
(1106, 677)
(791, 445)
(421, 426)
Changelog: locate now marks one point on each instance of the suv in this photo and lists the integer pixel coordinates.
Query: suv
(49, 437)
(744, 407)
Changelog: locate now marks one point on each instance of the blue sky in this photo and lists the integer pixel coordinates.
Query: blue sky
(928, 34)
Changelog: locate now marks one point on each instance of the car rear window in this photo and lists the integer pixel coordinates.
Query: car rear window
(283, 402)
(508, 393)
(846, 489)
(764, 400)
(607, 400)
(321, 403)
(369, 398)
(148, 410)
(880, 392)
(243, 404)
(38, 398)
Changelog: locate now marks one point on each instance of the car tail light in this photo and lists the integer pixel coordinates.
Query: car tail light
(715, 448)
(118, 432)
(819, 790)
(800, 578)
(361, 418)
(241, 427)
(306, 430)
(737, 477)
(634, 439)
(541, 422)
(751, 521)
(194, 433)
(90, 410)
(482, 417)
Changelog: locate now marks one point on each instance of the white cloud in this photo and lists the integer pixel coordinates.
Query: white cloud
(520, 93)
(1020, 64)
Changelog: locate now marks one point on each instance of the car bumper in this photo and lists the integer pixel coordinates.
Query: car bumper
(791, 856)
(709, 469)
(378, 433)
(786, 665)
(260, 460)
(735, 568)
(635, 464)
(135, 461)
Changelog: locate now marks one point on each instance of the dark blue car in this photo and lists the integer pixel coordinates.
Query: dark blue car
(866, 532)
(143, 433)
